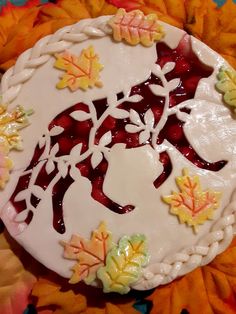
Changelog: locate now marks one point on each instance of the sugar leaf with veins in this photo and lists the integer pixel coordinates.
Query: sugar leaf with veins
(124, 264)
(90, 254)
(81, 71)
(192, 205)
(10, 124)
(227, 86)
(134, 27)
(5, 163)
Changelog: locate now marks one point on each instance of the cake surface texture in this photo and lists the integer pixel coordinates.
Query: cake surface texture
(127, 175)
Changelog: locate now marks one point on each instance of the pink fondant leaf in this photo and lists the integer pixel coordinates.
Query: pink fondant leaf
(134, 27)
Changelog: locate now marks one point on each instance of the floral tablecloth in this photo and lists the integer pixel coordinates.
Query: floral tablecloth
(25, 285)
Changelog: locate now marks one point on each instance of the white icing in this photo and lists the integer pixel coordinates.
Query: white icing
(130, 175)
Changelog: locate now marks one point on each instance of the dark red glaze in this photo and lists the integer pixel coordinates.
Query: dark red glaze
(188, 68)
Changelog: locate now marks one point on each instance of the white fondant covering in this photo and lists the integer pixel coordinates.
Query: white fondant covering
(174, 248)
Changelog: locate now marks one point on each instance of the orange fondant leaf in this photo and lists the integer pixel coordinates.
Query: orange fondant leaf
(81, 72)
(192, 205)
(90, 254)
(134, 27)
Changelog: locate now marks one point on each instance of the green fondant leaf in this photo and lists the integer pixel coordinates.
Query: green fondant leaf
(124, 264)
(227, 85)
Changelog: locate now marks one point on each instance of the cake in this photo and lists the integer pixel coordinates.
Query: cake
(117, 152)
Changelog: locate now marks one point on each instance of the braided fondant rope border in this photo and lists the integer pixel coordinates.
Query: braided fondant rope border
(204, 252)
(172, 266)
(31, 59)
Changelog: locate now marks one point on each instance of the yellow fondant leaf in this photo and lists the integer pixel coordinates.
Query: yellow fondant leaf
(227, 85)
(134, 27)
(81, 71)
(10, 124)
(5, 163)
(90, 254)
(124, 264)
(192, 205)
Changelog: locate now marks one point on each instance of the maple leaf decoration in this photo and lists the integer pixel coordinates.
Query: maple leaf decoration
(90, 254)
(81, 71)
(10, 124)
(134, 27)
(192, 205)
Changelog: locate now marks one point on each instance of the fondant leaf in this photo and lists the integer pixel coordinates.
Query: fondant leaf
(96, 159)
(192, 205)
(5, 163)
(54, 150)
(124, 264)
(134, 117)
(134, 27)
(227, 85)
(81, 71)
(10, 124)
(76, 150)
(168, 67)
(50, 166)
(56, 130)
(90, 254)
(158, 90)
(80, 115)
(119, 113)
(173, 84)
(42, 141)
(37, 191)
(21, 195)
(135, 98)
(106, 139)
(21, 217)
(132, 128)
(62, 168)
(149, 118)
(144, 136)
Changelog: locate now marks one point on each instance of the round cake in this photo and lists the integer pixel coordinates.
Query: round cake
(117, 152)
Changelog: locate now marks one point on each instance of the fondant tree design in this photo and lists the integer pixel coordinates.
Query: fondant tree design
(78, 139)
